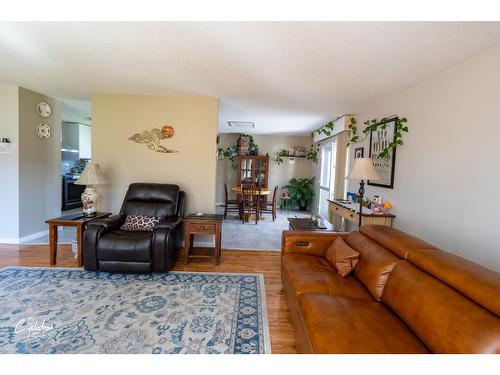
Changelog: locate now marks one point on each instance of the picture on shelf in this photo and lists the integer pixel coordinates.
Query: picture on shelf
(380, 138)
(359, 152)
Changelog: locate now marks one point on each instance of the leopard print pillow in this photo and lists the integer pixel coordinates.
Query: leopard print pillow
(140, 223)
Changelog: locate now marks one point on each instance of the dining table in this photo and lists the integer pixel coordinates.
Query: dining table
(238, 190)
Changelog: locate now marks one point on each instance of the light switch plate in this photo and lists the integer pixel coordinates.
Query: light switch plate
(5, 148)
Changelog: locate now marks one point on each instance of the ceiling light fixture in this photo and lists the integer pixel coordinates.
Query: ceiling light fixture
(242, 124)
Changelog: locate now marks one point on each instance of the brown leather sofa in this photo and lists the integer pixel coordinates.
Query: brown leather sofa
(404, 296)
(109, 249)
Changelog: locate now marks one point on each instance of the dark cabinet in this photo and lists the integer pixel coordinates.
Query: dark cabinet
(253, 167)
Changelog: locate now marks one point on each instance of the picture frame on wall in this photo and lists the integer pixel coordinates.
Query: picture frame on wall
(380, 138)
(359, 152)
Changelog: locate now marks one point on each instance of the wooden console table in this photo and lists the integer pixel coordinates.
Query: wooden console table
(77, 220)
(207, 225)
(336, 209)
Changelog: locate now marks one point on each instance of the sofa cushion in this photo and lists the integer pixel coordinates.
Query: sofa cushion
(444, 319)
(398, 242)
(344, 325)
(479, 283)
(343, 257)
(125, 246)
(310, 274)
(375, 264)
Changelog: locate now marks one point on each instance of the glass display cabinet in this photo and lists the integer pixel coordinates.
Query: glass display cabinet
(254, 170)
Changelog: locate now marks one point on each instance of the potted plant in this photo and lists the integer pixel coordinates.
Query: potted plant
(301, 192)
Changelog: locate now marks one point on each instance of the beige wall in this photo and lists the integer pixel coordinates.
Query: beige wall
(278, 174)
(447, 173)
(117, 117)
(39, 164)
(9, 164)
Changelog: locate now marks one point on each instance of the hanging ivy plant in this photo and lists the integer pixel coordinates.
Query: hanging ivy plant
(372, 125)
(278, 157)
(328, 128)
(312, 154)
(231, 153)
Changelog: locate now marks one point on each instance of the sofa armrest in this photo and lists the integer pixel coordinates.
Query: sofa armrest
(109, 223)
(307, 242)
(171, 222)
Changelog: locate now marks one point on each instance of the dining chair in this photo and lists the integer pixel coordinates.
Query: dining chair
(270, 207)
(250, 203)
(230, 205)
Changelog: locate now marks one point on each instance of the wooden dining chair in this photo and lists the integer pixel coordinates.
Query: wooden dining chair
(270, 207)
(250, 203)
(230, 205)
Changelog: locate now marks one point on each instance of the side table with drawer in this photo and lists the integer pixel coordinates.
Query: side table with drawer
(204, 225)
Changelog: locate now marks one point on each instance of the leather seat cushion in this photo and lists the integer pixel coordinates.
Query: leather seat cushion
(344, 325)
(125, 246)
(311, 274)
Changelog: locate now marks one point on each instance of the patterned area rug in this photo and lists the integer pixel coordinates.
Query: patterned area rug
(55, 310)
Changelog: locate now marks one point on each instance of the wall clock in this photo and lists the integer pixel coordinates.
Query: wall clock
(43, 130)
(44, 109)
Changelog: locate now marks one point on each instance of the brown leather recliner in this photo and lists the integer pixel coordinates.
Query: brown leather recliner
(109, 249)
(404, 296)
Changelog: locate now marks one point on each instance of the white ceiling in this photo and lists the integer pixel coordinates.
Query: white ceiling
(287, 77)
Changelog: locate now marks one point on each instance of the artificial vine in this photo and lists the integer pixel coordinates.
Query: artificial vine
(278, 157)
(372, 125)
(231, 153)
(328, 128)
(312, 154)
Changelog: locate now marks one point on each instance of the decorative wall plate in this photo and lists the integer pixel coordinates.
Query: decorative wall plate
(44, 109)
(43, 130)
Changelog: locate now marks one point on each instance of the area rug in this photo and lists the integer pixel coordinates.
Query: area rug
(55, 310)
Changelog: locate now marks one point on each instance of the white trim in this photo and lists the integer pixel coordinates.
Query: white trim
(339, 125)
(9, 241)
(34, 235)
(29, 237)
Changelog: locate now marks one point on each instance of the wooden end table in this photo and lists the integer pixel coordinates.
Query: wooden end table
(77, 220)
(207, 225)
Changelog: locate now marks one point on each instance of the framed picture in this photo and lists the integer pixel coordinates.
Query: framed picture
(359, 152)
(380, 138)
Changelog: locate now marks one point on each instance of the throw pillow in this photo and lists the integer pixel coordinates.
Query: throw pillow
(343, 257)
(140, 223)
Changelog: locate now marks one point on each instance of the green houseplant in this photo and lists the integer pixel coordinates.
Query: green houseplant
(301, 192)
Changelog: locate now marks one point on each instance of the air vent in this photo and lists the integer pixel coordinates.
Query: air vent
(242, 124)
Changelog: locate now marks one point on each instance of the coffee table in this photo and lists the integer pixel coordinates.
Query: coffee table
(306, 224)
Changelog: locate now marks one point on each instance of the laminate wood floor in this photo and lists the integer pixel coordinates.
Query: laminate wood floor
(265, 262)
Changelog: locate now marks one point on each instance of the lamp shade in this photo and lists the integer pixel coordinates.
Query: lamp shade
(363, 170)
(91, 175)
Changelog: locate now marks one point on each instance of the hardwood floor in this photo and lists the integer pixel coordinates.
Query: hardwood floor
(265, 262)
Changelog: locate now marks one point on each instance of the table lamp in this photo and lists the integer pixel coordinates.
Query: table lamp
(363, 170)
(91, 175)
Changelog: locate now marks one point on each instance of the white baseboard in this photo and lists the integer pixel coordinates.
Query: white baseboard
(20, 240)
(9, 241)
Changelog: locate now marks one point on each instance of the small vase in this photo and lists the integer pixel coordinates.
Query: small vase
(89, 201)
